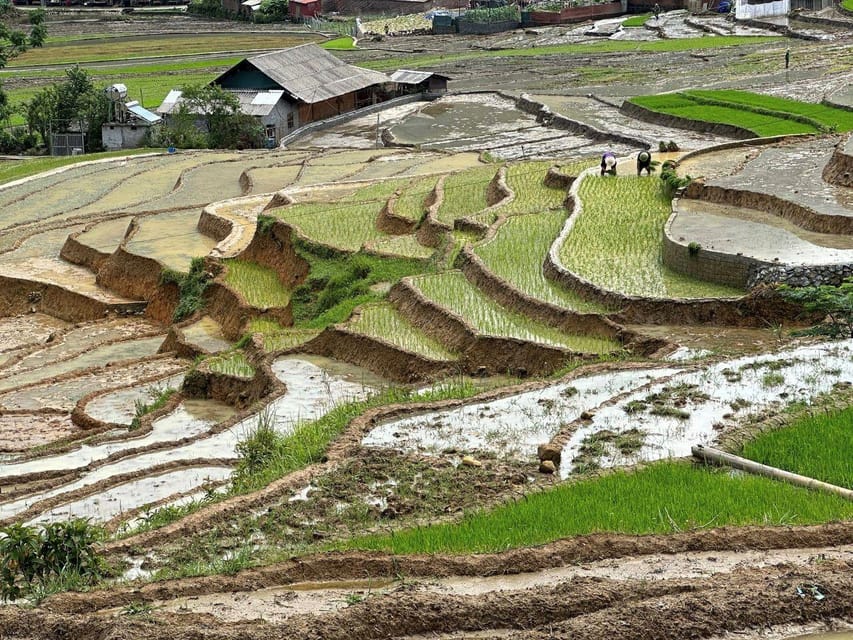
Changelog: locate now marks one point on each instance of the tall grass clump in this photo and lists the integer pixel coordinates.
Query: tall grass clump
(382, 321)
(616, 241)
(269, 454)
(453, 292)
(819, 447)
(231, 364)
(191, 288)
(259, 285)
(665, 497)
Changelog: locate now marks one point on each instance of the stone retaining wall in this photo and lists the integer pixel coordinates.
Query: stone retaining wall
(706, 264)
(832, 274)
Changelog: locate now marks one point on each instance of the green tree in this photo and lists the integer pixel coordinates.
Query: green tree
(834, 303)
(72, 105)
(216, 113)
(274, 11)
(13, 42)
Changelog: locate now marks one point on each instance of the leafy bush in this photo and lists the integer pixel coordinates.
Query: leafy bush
(834, 303)
(191, 287)
(496, 14)
(30, 559)
(158, 399)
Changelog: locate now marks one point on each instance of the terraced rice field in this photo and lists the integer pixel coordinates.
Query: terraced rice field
(615, 241)
(465, 193)
(516, 254)
(382, 321)
(411, 202)
(404, 246)
(258, 285)
(453, 292)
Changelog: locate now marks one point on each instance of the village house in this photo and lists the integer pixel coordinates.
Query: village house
(289, 88)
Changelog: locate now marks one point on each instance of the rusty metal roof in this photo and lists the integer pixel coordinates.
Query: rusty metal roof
(311, 74)
(405, 76)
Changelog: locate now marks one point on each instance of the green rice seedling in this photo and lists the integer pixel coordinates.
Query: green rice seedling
(762, 125)
(453, 292)
(404, 246)
(829, 117)
(516, 254)
(637, 21)
(819, 447)
(410, 203)
(258, 285)
(277, 337)
(231, 364)
(382, 321)
(465, 193)
(665, 497)
(616, 241)
(347, 224)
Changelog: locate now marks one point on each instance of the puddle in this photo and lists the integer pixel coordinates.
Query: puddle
(191, 418)
(97, 357)
(311, 392)
(510, 427)
(207, 334)
(131, 495)
(172, 238)
(734, 388)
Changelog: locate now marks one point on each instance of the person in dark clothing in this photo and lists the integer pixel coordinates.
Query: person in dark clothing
(608, 163)
(644, 161)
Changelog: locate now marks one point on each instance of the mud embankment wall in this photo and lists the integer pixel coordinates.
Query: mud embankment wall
(839, 169)
(480, 354)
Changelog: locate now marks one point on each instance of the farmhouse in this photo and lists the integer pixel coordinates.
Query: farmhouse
(419, 82)
(292, 87)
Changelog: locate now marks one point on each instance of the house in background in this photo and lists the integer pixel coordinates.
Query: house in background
(419, 82)
(292, 87)
(301, 9)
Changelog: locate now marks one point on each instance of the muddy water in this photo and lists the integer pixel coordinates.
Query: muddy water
(64, 395)
(21, 432)
(131, 495)
(311, 392)
(33, 328)
(106, 236)
(119, 407)
(794, 173)
(512, 426)
(191, 418)
(78, 340)
(97, 357)
(733, 230)
(207, 334)
(171, 238)
(449, 122)
(734, 388)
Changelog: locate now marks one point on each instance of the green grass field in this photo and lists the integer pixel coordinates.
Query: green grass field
(453, 292)
(666, 497)
(636, 21)
(258, 285)
(819, 447)
(616, 241)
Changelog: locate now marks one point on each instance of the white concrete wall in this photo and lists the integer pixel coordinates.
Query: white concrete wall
(122, 136)
(744, 11)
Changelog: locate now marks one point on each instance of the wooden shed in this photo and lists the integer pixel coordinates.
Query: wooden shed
(419, 82)
(301, 9)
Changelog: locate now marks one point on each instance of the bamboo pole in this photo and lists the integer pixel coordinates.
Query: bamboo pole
(736, 462)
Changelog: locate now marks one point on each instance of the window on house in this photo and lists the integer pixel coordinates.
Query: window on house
(270, 131)
(290, 121)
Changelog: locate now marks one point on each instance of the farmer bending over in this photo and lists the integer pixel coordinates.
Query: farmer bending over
(644, 161)
(608, 163)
